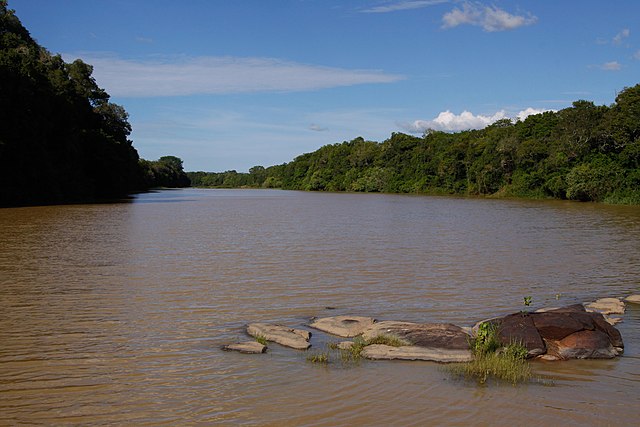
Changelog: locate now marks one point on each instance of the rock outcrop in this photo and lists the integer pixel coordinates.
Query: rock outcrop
(343, 326)
(563, 333)
(250, 347)
(283, 335)
(577, 331)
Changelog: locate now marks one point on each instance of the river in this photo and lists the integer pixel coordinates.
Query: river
(115, 313)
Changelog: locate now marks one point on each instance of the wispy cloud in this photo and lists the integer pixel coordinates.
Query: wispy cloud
(490, 18)
(637, 55)
(621, 36)
(447, 121)
(317, 128)
(178, 76)
(403, 5)
(611, 66)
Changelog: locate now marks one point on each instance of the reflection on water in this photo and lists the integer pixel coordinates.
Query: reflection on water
(115, 313)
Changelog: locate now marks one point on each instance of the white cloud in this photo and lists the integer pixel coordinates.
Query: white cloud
(621, 36)
(637, 55)
(447, 121)
(529, 112)
(490, 18)
(178, 76)
(404, 5)
(611, 66)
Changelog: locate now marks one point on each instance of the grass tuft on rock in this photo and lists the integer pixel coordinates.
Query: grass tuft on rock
(353, 353)
(261, 339)
(490, 360)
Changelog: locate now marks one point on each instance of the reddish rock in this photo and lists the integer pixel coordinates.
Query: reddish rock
(604, 326)
(558, 324)
(519, 328)
(584, 345)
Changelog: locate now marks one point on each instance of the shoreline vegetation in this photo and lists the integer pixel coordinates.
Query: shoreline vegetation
(584, 153)
(62, 140)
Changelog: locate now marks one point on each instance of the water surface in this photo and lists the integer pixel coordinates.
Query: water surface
(115, 313)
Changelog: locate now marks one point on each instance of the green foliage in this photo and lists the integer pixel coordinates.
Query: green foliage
(527, 300)
(515, 351)
(491, 360)
(353, 353)
(164, 172)
(507, 366)
(593, 181)
(319, 357)
(261, 339)
(584, 152)
(486, 340)
(61, 138)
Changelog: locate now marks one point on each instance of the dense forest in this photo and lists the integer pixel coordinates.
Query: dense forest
(585, 152)
(61, 138)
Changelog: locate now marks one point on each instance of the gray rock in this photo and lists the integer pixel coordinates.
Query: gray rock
(432, 335)
(386, 352)
(606, 306)
(283, 335)
(250, 347)
(343, 326)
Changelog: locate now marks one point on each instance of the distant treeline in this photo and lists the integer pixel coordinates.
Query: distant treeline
(584, 152)
(61, 139)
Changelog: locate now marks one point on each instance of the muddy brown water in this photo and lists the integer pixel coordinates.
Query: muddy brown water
(115, 313)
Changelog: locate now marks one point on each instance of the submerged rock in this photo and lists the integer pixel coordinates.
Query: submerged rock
(283, 335)
(634, 299)
(606, 306)
(343, 326)
(412, 352)
(250, 347)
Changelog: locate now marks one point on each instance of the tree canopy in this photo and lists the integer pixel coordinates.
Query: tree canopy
(584, 152)
(61, 138)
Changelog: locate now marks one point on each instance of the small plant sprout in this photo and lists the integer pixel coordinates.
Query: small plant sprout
(528, 300)
(322, 358)
(261, 339)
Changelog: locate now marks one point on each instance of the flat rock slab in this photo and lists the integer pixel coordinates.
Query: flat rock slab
(249, 347)
(386, 352)
(283, 335)
(606, 306)
(634, 299)
(432, 335)
(343, 326)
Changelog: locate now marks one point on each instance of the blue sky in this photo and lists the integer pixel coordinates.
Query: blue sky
(233, 84)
